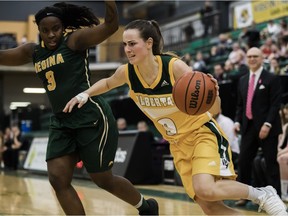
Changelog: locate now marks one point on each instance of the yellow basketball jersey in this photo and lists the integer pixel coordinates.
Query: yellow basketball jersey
(157, 103)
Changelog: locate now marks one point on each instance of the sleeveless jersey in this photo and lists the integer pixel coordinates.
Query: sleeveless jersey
(156, 101)
(63, 72)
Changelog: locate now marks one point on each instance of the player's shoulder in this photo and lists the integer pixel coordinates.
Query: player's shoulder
(122, 68)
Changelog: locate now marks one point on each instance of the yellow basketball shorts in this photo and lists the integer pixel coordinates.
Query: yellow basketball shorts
(205, 150)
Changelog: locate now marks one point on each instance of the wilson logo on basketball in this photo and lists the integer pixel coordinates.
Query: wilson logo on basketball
(195, 95)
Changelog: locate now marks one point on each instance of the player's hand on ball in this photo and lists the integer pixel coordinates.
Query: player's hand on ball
(79, 99)
(216, 83)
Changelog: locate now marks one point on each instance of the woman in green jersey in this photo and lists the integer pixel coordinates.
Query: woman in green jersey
(200, 149)
(90, 134)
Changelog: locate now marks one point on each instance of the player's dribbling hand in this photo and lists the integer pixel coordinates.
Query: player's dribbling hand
(79, 99)
(216, 83)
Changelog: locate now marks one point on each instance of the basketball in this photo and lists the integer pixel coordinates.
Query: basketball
(194, 93)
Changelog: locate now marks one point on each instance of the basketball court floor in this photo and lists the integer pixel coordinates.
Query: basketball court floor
(23, 193)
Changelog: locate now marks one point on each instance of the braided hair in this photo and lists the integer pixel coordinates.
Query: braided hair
(72, 16)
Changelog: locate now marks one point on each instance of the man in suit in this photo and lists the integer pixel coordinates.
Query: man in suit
(260, 125)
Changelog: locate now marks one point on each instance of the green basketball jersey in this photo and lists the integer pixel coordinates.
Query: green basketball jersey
(63, 72)
(156, 101)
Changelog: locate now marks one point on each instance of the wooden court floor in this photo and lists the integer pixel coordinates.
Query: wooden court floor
(23, 193)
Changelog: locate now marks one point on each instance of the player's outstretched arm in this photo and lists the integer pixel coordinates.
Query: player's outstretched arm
(17, 56)
(100, 87)
(87, 37)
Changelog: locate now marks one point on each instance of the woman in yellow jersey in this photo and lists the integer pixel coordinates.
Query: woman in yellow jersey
(201, 153)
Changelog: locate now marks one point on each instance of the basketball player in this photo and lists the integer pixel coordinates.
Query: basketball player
(201, 152)
(89, 134)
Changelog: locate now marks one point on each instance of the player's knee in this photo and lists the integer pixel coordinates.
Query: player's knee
(204, 192)
(103, 181)
(59, 182)
(103, 184)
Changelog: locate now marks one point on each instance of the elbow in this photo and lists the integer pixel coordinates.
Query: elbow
(115, 23)
(112, 27)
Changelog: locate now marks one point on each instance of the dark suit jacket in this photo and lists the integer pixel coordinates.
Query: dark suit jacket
(265, 104)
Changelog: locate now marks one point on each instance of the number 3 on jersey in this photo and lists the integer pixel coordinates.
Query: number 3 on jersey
(51, 80)
(169, 126)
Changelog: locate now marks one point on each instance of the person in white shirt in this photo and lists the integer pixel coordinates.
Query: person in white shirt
(227, 125)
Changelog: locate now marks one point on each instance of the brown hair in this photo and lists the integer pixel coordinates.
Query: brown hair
(147, 29)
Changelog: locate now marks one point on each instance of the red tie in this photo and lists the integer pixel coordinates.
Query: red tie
(250, 97)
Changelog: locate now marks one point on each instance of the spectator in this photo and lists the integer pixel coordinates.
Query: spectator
(234, 72)
(283, 46)
(121, 124)
(12, 144)
(215, 52)
(274, 66)
(284, 70)
(229, 70)
(257, 115)
(237, 55)
(272, 30)
(218, 72)
(189, 32)
(284, 31)
(206, 17)
(188, 59)
(275, 52)
(241, 67)
(224, 43)
(252, 36)
(241, 37)
(266, 48)
(200, 64)
(142, 126)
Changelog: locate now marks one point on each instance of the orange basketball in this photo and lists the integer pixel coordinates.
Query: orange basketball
(194, 93)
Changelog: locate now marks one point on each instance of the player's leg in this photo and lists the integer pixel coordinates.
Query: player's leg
(123, 189)
(202, 159)
(61, 159)
(60, 172)
(209, 194)
(209, 191)
(216, 208)
(97, 149)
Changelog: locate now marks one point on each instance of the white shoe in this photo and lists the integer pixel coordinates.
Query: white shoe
(271, 202)
(284, 198)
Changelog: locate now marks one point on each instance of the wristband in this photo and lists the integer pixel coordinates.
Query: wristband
(82, 97)
(268, 124)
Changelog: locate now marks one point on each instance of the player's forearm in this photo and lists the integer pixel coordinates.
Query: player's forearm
(111, 15)
(98, 88)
